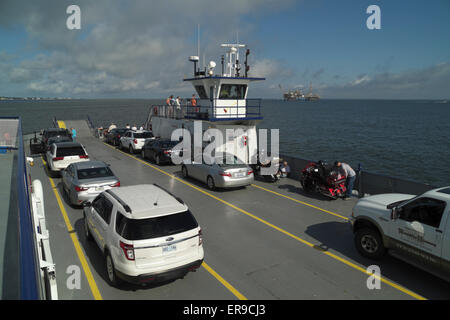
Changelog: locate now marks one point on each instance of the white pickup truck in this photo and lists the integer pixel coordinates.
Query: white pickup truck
(415, 229)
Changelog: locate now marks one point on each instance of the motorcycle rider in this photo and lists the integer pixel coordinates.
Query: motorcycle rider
(349, 174)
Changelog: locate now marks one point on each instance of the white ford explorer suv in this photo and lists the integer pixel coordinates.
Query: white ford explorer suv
(415, 229)
(145, 233)
(60, 155)
(133, 141)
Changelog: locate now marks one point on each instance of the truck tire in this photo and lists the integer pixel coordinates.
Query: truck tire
(369, 244)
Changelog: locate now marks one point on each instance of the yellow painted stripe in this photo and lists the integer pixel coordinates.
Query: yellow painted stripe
(61, 124)
(227, 285)
(348, 263)
(301, 202)
(76, 243)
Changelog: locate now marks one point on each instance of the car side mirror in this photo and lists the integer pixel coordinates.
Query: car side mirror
(87, 204)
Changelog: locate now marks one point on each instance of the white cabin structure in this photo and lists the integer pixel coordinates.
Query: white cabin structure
(222, 104)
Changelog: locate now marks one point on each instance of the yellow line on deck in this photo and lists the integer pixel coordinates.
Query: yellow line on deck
(301, 202)
(224, 282)
(348, 263)
(76, 243)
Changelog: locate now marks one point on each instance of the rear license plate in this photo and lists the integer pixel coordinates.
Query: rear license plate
(239, 174)
(99, 188)
(170, 248)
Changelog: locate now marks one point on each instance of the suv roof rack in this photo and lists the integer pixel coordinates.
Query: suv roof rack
(178, 198)
(124, 205)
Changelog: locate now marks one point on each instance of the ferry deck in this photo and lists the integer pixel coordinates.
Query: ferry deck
(267, 241)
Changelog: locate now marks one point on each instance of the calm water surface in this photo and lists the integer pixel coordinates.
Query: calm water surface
(406, 139)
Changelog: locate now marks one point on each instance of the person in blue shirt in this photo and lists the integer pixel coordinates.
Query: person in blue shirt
(74, 134)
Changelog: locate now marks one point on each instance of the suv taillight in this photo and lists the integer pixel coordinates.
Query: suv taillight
(135, 141)
(249, 172)
(117, 184)
(58, 158)
(128, 250)
(84, 157)
(200, 237)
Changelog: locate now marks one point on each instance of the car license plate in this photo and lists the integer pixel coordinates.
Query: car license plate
(99, 188)
(239, 174)
(170, 248)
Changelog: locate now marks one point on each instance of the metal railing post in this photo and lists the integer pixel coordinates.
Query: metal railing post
(360, 184)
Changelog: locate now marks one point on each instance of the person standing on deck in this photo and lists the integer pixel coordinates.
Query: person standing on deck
(74, 134)
(194, 103)
(350, 176)
(112, 126)
(178, 107)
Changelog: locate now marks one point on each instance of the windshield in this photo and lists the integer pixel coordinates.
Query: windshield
(91, 173)
(69, 151)
(143, 135)
(58, 133)
(141, 229)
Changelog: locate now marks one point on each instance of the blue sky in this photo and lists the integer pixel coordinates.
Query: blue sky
(140, 48)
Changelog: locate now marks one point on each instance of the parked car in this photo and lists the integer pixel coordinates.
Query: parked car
(415, 229)
(62, 154)
(133, 141)
(57, 139)
(224, 172)
(145, 233)
(83, 181)
(58, 135)
(160, 150)
(113, 137)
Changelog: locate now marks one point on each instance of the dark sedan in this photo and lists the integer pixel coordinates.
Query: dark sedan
(113, 137)
(160, 151)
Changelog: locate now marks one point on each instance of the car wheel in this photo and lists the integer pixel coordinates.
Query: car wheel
(368, 242)
(210, 183)
(111, 271)
(184, 172)
(87, 233)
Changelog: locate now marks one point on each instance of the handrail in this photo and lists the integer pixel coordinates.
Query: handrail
(208, 110)
(29, 278)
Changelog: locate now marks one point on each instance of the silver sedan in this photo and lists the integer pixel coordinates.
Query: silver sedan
(83, 181)
(224, 172)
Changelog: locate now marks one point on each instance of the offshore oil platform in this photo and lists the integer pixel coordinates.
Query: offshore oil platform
(298, 95)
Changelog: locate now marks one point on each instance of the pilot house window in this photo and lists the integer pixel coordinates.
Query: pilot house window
(201, 92)
(232, 91)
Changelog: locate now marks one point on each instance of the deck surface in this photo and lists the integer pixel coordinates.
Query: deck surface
(267, 241)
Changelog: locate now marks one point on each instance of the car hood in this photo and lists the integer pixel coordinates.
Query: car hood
(385, 199)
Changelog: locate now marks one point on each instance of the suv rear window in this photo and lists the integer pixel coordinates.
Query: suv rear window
(69, 151)
(143, 135)
(141, 229)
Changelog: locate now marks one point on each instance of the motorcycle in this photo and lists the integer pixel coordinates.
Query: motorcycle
(274, 177)
(323, 178)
